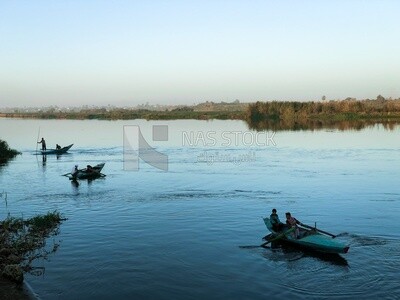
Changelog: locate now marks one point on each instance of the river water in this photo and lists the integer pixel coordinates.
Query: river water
(176, 234)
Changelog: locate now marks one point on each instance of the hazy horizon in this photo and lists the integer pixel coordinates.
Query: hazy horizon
(126, 53)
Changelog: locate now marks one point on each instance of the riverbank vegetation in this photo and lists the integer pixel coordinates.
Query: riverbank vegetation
(6, 153)
(345, 114)
(23, 241)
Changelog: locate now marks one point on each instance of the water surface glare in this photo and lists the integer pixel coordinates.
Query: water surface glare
(150, 234)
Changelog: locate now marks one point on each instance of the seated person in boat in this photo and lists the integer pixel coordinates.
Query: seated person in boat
(74, 172)
(292, 222)
(58, 147)
(90, 169)
(277, 225)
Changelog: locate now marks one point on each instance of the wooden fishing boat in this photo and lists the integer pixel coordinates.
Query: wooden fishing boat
(310, 239)
(56, 151)
(88, 173)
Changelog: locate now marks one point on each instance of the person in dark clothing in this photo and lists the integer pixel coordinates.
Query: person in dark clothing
(58, 147)
(43, 142)
(277, 225)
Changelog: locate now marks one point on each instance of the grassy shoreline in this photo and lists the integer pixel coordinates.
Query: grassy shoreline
(23, 241)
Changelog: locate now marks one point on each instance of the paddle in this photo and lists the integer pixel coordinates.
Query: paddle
(66, 174)
(319, 230)
(37, 142)
(279, 236)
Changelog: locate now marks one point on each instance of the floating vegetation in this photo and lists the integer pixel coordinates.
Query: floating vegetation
(23, 241)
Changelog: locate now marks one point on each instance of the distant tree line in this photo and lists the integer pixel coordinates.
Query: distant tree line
(131, 114)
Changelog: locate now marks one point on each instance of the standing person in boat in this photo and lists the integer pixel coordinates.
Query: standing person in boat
(292, 222)
(43, 142)
(277, 225)
(58, 147)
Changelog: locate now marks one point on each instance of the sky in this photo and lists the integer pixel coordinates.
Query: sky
(73, 53)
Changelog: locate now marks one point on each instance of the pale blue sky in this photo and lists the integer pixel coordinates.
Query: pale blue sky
(172, 52)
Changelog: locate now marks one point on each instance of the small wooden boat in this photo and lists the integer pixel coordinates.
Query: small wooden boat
(310, 239)
(56, 151)
(88, 173)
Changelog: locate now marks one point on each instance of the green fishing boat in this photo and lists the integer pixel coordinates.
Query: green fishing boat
(308, 238)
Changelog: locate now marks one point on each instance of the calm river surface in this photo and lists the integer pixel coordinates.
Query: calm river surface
(151, 234)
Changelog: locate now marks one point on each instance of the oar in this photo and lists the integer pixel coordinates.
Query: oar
(66, 174)
(319, 230)
(269, 241)
(279, 236)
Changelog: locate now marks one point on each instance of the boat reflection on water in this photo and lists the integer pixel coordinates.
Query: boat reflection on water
(291, 253)
(75, 183)
(90, 180)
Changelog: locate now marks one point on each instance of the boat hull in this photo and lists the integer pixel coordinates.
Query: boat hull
(84, 174)
(312, 240)
(56, 151)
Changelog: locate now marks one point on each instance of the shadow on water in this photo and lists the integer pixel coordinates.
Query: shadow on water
(291, 253)
(10, 290)
(76, 183)
(4, 162)
(2, 166)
